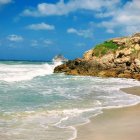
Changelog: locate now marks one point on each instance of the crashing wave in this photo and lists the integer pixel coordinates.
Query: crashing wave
(59, 58)
(24, 72)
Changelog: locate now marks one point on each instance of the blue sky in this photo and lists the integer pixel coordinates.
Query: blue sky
(40, 29)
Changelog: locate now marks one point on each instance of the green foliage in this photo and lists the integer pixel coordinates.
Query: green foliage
(104, 48)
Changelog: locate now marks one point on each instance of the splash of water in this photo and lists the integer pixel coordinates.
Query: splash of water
(23, 72)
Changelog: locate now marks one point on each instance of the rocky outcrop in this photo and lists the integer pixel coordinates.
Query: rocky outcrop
(118, 57)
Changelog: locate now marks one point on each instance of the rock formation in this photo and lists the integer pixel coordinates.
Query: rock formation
(118, 57)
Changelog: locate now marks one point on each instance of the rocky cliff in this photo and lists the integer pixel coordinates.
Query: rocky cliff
(118, 57)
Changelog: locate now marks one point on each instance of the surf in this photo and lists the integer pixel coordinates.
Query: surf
(17, 72)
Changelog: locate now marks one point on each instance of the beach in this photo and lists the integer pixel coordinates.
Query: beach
(39, 105)
(114, 124)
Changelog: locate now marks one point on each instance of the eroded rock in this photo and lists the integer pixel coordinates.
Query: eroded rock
(123, 62)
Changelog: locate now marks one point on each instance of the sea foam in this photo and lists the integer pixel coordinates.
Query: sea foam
(22, 72)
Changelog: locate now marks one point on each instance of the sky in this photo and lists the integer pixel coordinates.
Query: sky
(41, 29)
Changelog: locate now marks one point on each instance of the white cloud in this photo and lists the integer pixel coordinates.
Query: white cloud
(88, 33)
(15, 38)
(41, 26)
(2, 2)
(41, 42)
(111, 31)
(62, 8)
(72, 30)
(34, 43)
(47, 42)
(127, 18)
(115, 14)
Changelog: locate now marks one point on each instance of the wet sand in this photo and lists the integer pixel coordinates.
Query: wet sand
(114, 124)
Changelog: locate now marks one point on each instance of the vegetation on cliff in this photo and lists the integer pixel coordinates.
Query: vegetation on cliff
(104, 48)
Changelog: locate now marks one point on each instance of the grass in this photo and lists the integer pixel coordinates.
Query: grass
(104, 48)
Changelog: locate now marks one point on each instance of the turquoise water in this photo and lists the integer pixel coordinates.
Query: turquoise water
(36, 104)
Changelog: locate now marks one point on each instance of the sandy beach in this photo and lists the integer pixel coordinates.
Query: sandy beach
(114, 124)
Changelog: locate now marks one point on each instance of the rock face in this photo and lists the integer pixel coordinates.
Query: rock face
(118, 57)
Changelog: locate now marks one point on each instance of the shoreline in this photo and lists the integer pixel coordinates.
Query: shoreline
(132, 90)
(114, 124)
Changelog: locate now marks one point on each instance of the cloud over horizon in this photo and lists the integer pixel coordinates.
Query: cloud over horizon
(88, 33)
(15, 38)
(41, 26)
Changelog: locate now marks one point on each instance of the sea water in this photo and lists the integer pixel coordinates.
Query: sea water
(36, 104)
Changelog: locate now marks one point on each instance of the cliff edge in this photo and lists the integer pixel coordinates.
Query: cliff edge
(117, 57)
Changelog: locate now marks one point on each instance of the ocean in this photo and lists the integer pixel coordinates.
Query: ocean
(36, 104)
